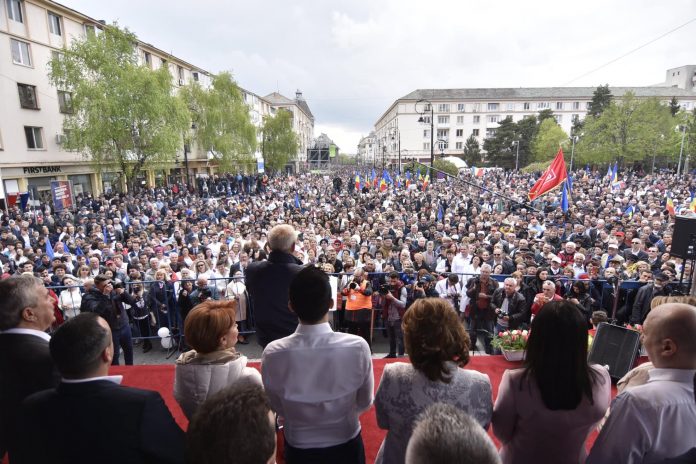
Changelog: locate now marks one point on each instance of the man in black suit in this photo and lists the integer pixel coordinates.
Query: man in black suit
(268, 283)
(26, 367)
(89, 417)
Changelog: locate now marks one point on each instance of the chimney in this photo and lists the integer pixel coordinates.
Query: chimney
(298, 95)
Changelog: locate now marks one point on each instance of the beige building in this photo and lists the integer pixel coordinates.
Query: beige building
(460, 113)
(302, 122)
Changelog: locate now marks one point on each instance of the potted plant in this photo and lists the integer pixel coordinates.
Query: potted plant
(512, 343)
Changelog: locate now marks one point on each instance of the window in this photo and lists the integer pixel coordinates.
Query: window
(494, 118)
(443, 108)
(20, 52)
(459, 145)
(27, 96)
(54, 24)
(426, 133)
(65, 102)
(490, 132)
(90, 30)
(180, 74)
(426, 145)
(576, 105)
(461, 107)
(526, 105)
(460, 119)
(511, 107)
(163, 63)
(443, 133)
(587, 105)
(687, 105)
(147, 58)
(477, 119)
(442, 145)
(195, 76)
(426, 119)
(34, 137)
(443, 119)
(493, 106)
(559, 105)
(56, 55)
(476, 107)
(575, 117)
(460, 133)
(475, 132)
(14, 10)
(543, 105)
(559, 118)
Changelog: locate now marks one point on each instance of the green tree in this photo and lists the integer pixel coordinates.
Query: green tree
(527, 129)
(446, 166)
(601, 98)
(549, 137)
(576, 128)
(674, 106)
(628, 130)
(472, 151)
(280, 143)
(544, 115)
(499, 147)
(222, 124)
(124, 117)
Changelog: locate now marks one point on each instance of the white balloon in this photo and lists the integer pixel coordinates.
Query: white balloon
(167, 342)
(163, 332)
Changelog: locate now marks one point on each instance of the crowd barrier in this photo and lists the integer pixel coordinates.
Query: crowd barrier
(152, 313)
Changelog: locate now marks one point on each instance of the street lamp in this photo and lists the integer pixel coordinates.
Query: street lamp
(432, 126)
(574, 138)
(395, 130)
(517, 156)
(681, 150)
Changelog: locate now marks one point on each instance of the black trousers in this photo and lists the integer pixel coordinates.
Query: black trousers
(350, 452)
(396, 336)
(358, 323)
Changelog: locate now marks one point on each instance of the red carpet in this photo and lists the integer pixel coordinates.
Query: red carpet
(161, 378)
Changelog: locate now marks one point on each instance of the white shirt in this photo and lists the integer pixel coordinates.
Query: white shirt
(460, 264)
(117, 379)
(651, 422)
(34, 332)
(320, 382)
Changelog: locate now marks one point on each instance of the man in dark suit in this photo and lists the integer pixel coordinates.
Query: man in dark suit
(26, 367)
(105, 422)
(268, 282)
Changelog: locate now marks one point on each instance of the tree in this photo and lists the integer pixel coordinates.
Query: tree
(527, 129)
(221, 119)
(674, 106)
(124, 117)
(626, 131)
(499, 146)
(576, 128)
(280, 143)
(544, 115)
(601, 98)
(446, 166)
(472, 151)
(549, 137)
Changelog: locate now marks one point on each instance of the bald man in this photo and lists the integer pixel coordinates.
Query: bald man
(655, 421)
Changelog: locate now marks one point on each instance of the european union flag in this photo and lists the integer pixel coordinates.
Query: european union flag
(297, 201)
(49, 249)
(564, 198)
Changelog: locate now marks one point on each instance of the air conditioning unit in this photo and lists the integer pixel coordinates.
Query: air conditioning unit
(181, 81)
(60, 139)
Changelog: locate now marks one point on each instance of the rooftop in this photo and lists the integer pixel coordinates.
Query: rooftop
(522, 93)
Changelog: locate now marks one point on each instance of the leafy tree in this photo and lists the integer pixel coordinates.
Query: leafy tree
(124, 116)
(544, 115)
(499, 146)
(549, 137)
(601, 98)
(446, 166)
(527, 129)
(280, 142)
(222, 123)
(674, 106)
(628, 130)
(576, 128)
(472, 151)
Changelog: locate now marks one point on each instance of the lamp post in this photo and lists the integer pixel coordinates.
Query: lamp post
(517, 156)
(432, 127)
(384, 151)
(572, 151)
(681, 149)
(395, 131)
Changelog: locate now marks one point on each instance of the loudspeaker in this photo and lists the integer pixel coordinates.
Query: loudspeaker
(683, 237)
(616, 347)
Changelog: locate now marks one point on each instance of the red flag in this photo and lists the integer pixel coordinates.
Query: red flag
(554, 176)
(12, 199)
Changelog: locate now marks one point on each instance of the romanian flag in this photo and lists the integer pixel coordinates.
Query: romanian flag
(554, 176)
(615, 184)
(408, 179)
(692, 205)
(374, 178)
(426, 180)
(670, 205)
(382, 185)
(357, 182)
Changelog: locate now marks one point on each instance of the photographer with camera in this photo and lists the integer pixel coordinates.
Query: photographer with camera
(480, 312)
(424, 288)
(358, 316)
(451, 290)
(395, 298)
(510, 307)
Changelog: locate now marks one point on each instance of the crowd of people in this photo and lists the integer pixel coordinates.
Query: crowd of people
(436, 266)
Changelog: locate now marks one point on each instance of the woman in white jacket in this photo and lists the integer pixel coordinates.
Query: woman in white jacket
(213, 364)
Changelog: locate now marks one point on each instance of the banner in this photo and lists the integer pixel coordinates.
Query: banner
(554, 176)
(332, 151)
(62, 193)
(260, 168)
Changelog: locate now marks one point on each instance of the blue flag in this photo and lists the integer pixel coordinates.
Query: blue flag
(630, 211)
(79, 252)
(126, 219)
(297, 201)
(564, 197)
(49, 249)
(570, 184)
(440, 214)
(106, 236)
(24, 200)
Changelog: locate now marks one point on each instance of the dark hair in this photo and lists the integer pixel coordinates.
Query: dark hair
(557, 356)
(310, 294)
(394, 275)
(232, 426)
(433, 335)
(77, 345)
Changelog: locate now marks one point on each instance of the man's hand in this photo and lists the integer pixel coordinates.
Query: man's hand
(390, 297)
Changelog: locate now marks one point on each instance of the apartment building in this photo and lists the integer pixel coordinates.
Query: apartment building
(302, 122)
(460, 113)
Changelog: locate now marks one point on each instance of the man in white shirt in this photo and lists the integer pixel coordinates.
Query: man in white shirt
(317, 380)
(655, 421)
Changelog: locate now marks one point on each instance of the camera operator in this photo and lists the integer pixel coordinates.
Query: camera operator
(451, 290)
(510, 307)
(395, 297)
(641, 306)
(424, 288)
(358, 316)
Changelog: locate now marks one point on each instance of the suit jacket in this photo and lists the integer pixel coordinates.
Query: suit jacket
(98, 421)
(268, 283)
(26, 367)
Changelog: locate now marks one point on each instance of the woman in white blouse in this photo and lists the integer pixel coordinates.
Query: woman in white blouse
(70, 299)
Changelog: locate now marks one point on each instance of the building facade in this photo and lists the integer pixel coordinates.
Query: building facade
(459, 113)
(366, 149)
(302, 122)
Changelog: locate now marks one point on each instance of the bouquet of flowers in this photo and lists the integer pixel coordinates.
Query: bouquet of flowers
(511, 340)
(637, 327)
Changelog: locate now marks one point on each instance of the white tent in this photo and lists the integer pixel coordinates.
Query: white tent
(460, 163)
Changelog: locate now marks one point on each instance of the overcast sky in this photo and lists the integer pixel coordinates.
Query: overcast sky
(353, 58)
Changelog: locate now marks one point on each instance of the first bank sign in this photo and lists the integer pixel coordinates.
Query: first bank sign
(42, 169)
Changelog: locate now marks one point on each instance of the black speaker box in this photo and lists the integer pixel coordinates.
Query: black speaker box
(684, 236)
(616, 347)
